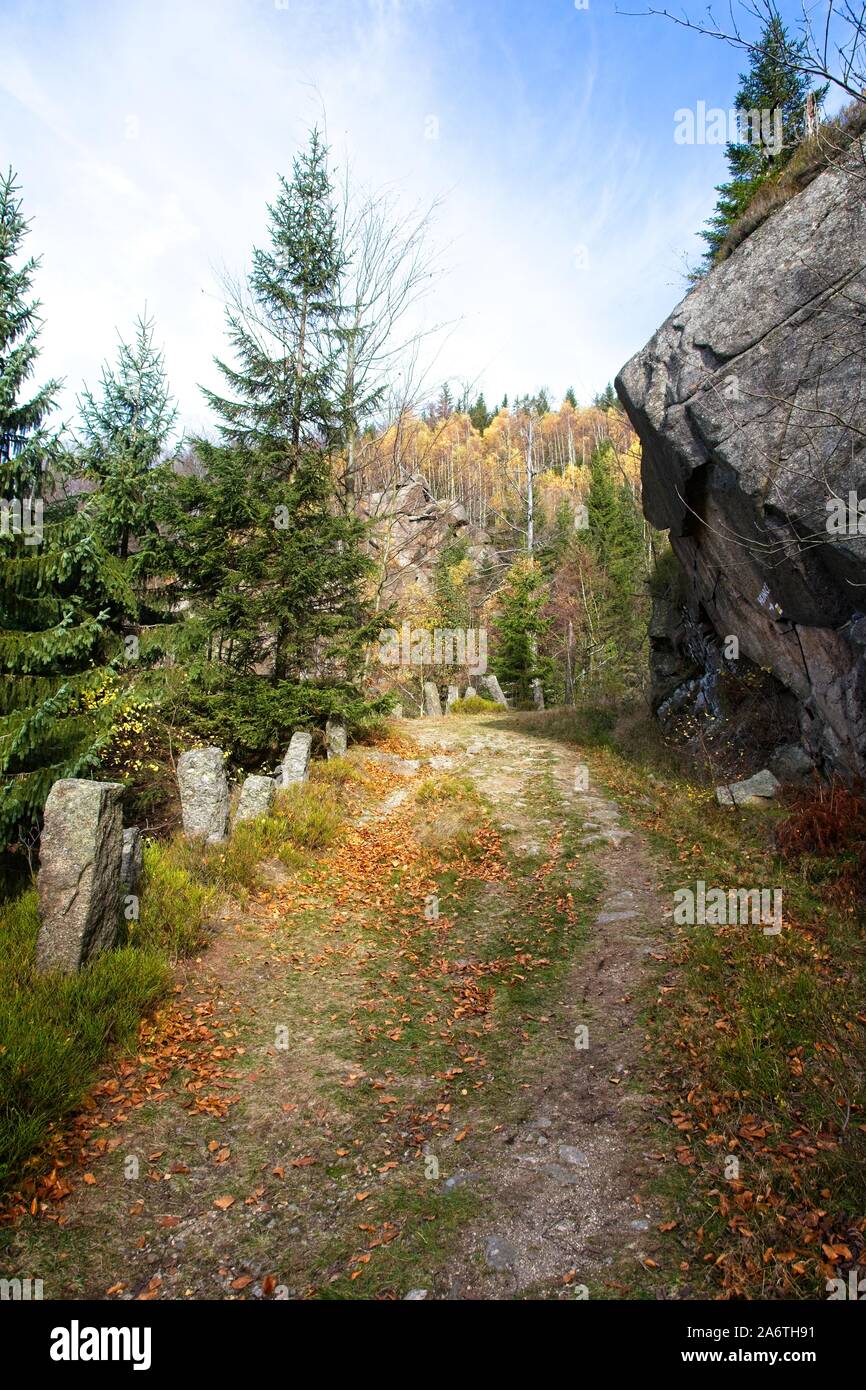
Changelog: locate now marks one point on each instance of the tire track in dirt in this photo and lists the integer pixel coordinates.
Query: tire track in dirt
(565, 1204)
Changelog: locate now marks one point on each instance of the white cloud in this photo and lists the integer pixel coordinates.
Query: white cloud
(148, 139)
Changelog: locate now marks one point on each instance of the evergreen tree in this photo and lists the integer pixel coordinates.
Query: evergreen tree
(445, 404)
(62, 599)
(285, 346)
(571, 398)
(274, 570)
(479, 414)
(615, 537)
(607, 400)
(520, 629)
(124, 432)
(772, 85)
(453, 569)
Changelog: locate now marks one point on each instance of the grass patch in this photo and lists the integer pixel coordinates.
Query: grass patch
(475, 704)
(764, 1056)
(176, 900)
(446, 787)
(304, 820)
(55, 1030)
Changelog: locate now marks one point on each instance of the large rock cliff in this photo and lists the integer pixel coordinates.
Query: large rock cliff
(750, 404)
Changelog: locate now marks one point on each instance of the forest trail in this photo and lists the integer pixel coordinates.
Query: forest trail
(412, 1069)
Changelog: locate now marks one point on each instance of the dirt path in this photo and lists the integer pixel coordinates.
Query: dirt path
(565, 1180)
(408, 1072)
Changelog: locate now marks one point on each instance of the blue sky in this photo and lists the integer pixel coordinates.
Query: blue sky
(148, 137)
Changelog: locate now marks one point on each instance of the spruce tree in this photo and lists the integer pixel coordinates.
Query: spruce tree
(124, 431)
(479, 414)
(62, 600)
(285, 348)
(275, 571)
(615, 537)
(772, 85)
(520, 629)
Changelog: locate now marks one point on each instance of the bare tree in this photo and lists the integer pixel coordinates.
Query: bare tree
(830, 42)
(390, 269)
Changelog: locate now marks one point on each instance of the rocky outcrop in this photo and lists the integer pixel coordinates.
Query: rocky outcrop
(410, 529)
(750, 406)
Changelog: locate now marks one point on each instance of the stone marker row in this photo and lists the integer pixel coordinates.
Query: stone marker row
(89, 864)
(433, 702)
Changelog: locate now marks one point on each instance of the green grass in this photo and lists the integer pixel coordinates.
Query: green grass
(175, 902)
(304, 820)
(55, 1030)
(445, 787)
(475, 704)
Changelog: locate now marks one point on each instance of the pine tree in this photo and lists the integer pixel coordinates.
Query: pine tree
(772, 85)
(615, 537)
(520, 629)
(62, 599)
(125, 430)
(607, 400)
(571, 398)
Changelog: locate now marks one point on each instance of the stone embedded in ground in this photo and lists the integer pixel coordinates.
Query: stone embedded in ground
(79, 873)
(458, 1180)
(452, 697)
(606, 837)
(397, 712)
(494, 690)
(576, 1157)
(131, 860)
(560, 1174)
(499, 1254)
(296, 764)
(256, 799)
(470, 693)
(432, 702)
(414, 1296)
(604, 918)
(537, 694)
(336, 739)
(204, 794)
(754, 791)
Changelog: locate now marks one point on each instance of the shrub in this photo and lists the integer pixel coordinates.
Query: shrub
(476, 704)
